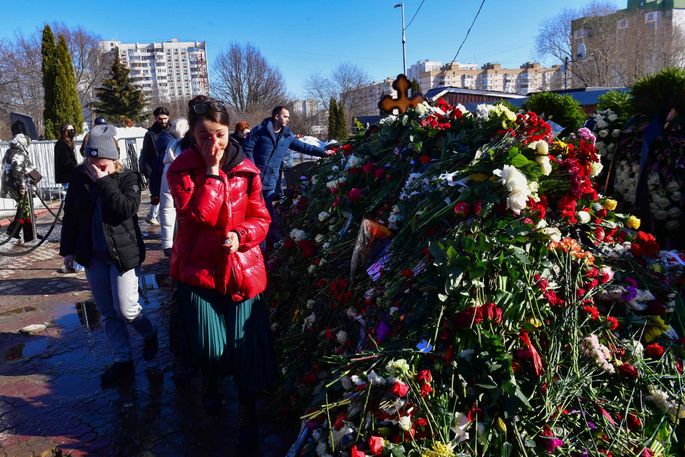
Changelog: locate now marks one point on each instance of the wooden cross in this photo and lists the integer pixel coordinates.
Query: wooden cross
(402, 84)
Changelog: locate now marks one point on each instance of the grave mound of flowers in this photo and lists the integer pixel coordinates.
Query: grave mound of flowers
(454, 285)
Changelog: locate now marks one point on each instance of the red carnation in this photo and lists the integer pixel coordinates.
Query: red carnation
(628, 371)
(654, 350)
(612, 322)
(368, 168)
(355, 194)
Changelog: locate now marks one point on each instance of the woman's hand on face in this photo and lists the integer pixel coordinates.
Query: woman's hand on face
(95, 172)
(212, 152)
(232, 242)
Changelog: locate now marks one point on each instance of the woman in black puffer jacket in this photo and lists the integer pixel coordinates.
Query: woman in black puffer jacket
(100, 231)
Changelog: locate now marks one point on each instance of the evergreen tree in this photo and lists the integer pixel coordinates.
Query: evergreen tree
(332, 119)
(49, 69)
(69, 110)
(118, 98)
(415, 87)
(342, 123)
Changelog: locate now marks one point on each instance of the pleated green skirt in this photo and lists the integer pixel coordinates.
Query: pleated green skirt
(224, 337)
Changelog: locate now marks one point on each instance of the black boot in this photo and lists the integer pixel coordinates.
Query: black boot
(27, 228)
(248, 428)
(13, 229)
(117, 374)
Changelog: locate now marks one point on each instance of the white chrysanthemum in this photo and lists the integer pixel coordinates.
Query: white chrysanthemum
(298, 235)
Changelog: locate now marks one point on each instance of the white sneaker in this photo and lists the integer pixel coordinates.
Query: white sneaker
(152, 221)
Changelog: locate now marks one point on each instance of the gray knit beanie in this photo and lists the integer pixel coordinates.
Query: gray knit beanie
(101, 142)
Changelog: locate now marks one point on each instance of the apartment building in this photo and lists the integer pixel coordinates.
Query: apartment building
(165, 71)
(529, 77)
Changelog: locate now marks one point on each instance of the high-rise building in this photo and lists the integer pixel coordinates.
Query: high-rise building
(616, 49)
(364, 100)
(165, 71)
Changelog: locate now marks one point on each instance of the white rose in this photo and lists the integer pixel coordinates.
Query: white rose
(583, 217)
(602, 124)
(612, 117)
(319, 238)
(596, 168)
(675, 196)
(616, 133)
(298, 235)
(672, 186)
(552, 233)
(603, 133)
(542, 148)
(660, 215)
(516, 201)
(405, 423)
(341, 336)
(674, 212)
(545, 164)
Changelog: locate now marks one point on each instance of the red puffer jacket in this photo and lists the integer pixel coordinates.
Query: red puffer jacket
(207, 209)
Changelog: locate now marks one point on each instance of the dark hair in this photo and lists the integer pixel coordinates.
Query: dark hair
(277, 110)
(18, 127)
(220, 116)
(63, 134)
(160, 110)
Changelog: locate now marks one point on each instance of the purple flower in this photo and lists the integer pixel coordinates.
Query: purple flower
(587, 135)
(591, 425)
(630, 293)
(382, 331)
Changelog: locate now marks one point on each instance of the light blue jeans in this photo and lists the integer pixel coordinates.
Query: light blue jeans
(116, 297)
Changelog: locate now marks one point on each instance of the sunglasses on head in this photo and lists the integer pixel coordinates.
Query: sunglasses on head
(203, 107)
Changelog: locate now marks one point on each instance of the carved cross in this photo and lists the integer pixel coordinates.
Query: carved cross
(403, 101)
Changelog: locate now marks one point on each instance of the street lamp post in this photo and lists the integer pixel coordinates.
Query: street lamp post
(404, 39)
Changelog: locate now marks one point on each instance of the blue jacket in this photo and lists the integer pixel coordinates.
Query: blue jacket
(267, 150)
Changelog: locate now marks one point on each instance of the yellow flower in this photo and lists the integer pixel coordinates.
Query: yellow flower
(535, 322)
(633, 222)
(501, 425)
(655, 327)
(610, 204)
(438, 450)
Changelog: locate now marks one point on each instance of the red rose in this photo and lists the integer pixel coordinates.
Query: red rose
(421, 422)
(424, 159)
(379, 173)
(654, 350)
(477, 207)
(376, 444)
(462, 209)
(368, 168)
(400, 389)
(307, 248)
(628, 371)
(356, 452)
(408, 273)
(347, 149)
(425, 376)
(355, 194)
(634, 423)
(426, 389)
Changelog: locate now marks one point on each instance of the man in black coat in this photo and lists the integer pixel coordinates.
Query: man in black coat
(151, 160)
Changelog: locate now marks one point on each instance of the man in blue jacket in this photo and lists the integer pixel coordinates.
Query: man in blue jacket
(266, 146)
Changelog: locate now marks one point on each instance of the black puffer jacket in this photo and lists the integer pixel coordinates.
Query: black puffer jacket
(120, 201)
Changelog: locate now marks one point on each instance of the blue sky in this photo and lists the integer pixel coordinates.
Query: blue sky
(302, 37)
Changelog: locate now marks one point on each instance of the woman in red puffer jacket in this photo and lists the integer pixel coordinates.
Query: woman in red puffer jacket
(221, 322)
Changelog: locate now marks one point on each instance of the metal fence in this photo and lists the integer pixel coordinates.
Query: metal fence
(42, 155)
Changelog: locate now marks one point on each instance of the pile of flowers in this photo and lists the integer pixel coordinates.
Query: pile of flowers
(456, 286)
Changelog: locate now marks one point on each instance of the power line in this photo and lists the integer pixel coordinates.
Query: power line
(468, 31)
(414, 16)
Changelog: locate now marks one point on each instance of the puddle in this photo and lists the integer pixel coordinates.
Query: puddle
(86, 315)
(14, 312)
(26, 350)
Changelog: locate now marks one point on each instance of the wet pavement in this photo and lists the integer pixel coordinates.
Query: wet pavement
(50, 395)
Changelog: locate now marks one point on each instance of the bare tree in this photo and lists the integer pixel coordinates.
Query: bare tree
(245, 80)
(555, 39)
(341, 85)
